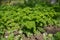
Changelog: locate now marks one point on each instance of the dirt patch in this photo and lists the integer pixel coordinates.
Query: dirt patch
(52, 29)
(34, 37)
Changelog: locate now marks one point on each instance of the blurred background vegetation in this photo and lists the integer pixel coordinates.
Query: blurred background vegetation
(29, 2)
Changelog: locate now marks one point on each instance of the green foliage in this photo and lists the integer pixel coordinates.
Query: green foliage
(29, 18)
(57, 36)
(41, 30)
(48, 36)
(10, 37)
